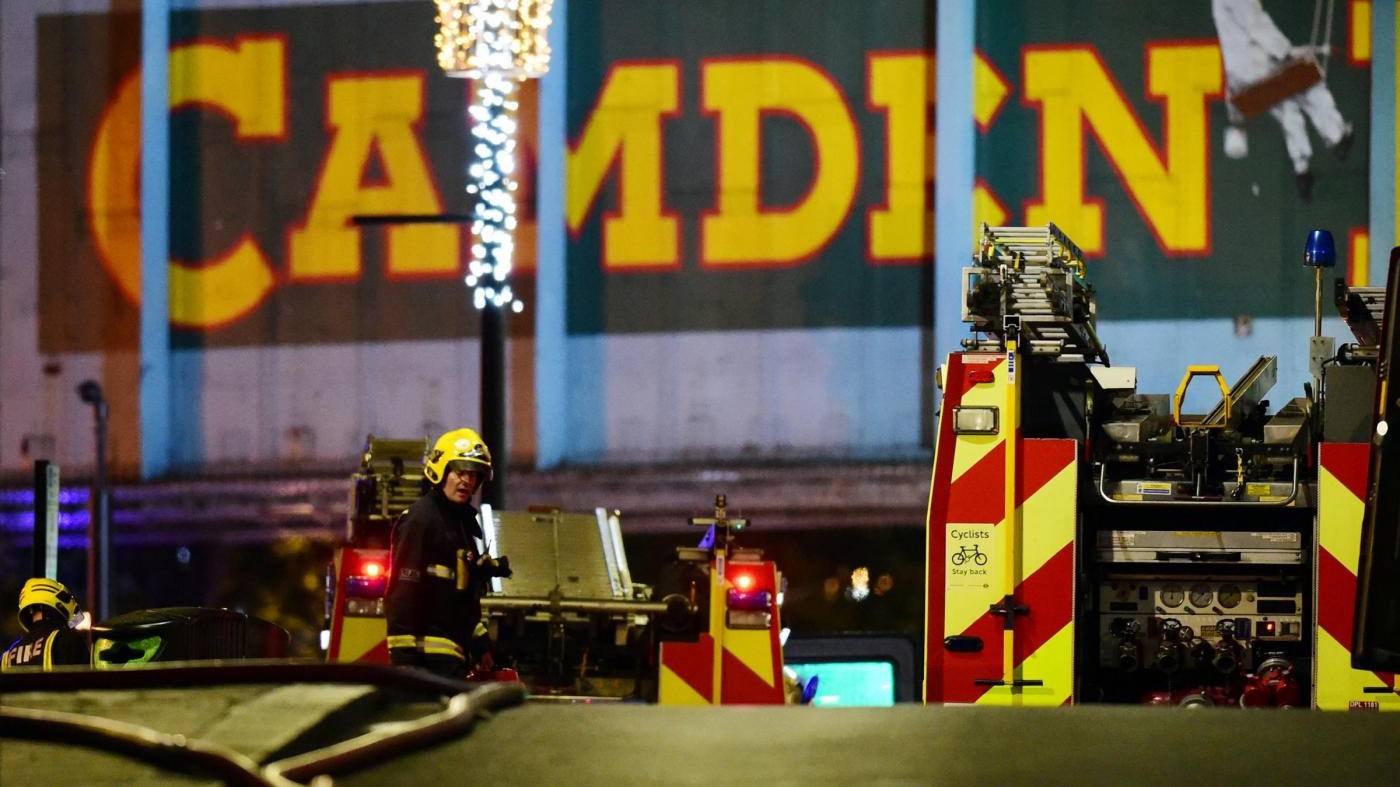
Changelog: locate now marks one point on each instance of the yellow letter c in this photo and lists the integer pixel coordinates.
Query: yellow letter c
(220, 290)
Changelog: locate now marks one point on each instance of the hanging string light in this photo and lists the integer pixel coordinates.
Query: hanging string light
(508, 37)
(496, 43)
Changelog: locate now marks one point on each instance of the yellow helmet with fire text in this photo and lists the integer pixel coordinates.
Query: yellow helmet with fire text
(43, 592)
(459, 445)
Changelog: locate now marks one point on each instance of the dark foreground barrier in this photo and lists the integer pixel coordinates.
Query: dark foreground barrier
(284, 724)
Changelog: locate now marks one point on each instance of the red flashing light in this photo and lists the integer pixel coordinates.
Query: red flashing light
(743, 581)
(372, 569)
(979, 376)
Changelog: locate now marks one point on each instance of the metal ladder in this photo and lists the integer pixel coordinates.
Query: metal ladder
(1036, 276)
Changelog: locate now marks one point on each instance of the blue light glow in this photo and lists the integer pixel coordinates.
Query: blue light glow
(849, 684)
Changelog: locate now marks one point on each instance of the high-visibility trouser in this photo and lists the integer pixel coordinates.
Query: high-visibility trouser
(428, 646)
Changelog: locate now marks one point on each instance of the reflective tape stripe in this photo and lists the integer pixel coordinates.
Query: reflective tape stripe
(440, 646)
(433, 646)
(441, 572)
(48, 650)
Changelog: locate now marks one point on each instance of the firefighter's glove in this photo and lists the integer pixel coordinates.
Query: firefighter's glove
(495, 567)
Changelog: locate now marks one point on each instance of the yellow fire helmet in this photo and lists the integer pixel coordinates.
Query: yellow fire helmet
(42, 592)
(459, 445)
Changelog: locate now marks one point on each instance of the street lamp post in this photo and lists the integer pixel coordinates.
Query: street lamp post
(496, 44)
(99, 516)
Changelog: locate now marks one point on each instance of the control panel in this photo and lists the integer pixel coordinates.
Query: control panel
(1175, 623)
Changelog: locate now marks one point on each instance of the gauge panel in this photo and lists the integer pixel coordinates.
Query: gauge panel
(1201, 595)
(1171, 596)
(1229, 595)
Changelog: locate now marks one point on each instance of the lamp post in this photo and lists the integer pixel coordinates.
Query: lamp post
(497, 44)
(99, 517)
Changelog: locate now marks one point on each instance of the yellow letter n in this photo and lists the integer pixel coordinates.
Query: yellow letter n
(1075, 92)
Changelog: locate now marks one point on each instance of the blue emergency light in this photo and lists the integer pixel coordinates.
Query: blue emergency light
(1321, 251)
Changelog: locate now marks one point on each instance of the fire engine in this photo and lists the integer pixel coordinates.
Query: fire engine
(571, 623)
(1090, 543)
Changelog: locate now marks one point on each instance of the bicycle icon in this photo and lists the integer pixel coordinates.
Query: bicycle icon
(973, 553)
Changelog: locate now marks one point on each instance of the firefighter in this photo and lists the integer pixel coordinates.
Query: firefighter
(46, 609)
(438, 572)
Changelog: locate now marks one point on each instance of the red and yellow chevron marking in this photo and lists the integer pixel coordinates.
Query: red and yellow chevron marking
(1341, 502)
(359, 639)
(968, 554)
(725, 666)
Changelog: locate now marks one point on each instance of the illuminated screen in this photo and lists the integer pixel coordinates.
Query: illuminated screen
(856, 669)
(850, 684)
